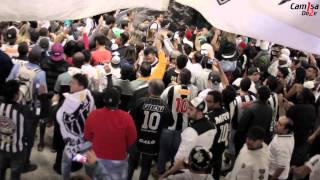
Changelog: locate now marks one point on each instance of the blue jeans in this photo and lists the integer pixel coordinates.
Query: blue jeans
(116, 169)
(14, 161)
(66, 166)
(169, 145)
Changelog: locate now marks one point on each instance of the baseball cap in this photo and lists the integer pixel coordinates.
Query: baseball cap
(214, 78)
(200, 159)
(57, 52)
(253, 70)
(111, 97)
(115, 60)
(11, 33)
(285, 51)
(284, 57)
(199, 103)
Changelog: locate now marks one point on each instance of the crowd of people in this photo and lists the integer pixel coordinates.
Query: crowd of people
(185, 103)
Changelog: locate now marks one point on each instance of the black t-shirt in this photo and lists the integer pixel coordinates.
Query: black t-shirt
(169, 76)
(151, 115)
(221, 118)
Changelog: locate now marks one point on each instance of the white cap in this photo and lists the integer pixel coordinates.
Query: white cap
(284, 57)
(115, 60)
(200, 104)
(285, 51)
(264, 45)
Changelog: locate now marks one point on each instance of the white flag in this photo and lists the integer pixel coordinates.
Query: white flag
(271, 20)
(26, 10)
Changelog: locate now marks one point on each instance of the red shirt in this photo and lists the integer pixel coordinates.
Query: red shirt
(111, 133)
(101, 56)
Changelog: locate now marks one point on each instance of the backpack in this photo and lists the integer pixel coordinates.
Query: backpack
(25, 77)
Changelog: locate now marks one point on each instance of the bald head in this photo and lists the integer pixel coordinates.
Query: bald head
(78, 59)
(156, 87)
(284, 125)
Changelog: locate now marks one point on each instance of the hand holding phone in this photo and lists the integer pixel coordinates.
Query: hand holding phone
(80, 158)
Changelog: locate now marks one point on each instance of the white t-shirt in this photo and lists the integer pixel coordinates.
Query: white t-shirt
(251, 164)
(281, 148)
(155, 26)
(314, 165)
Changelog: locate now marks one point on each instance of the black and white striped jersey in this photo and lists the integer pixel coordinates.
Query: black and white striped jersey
(177, 97)
(273, 101)
(19, 117)
(237, 107)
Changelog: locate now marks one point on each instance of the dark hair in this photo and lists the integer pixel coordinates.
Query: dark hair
(272, 83)
(156, 87)
(245, 84)
(34, 35)
(124, 37)
(187, 49)
(256, 133)
(228, 95)
(284, 71)
(145, 69)
(78, 59)
(217, 96)
(23, 48)
(44, 44)
(130, 54)
(124, 24)
(109, 19)
(250, 52)
(43, 32)
(182, 61)
(11, 88)
(198, 57)
(82, 80)
(87, 55)
(127, 72)
(111, 97)
(300, 75)
(101, 39)
(70, 48)
(79, 46)
(157, 16)
(264, 93)
(314, 68)
(306, 97)
(149, 50)
(289, 126)
(185, 76)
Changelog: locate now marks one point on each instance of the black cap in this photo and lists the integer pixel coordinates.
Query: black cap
(111, 97)
(11, 33)
(214, 78)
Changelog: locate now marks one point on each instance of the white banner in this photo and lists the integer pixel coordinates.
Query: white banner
(26, 10)
(271, 20)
